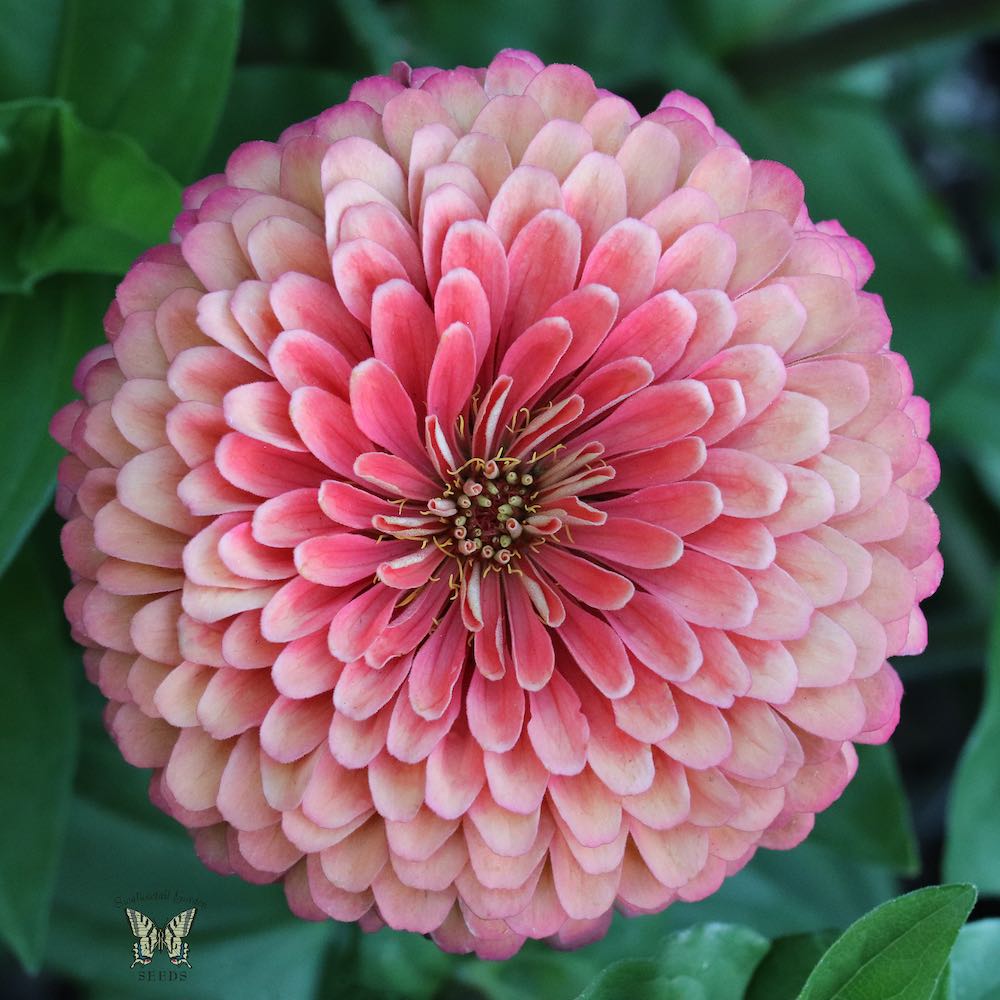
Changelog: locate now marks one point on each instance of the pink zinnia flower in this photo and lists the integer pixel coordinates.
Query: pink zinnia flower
(494, 508)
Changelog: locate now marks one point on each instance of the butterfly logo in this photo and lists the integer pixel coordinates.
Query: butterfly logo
(149, 938)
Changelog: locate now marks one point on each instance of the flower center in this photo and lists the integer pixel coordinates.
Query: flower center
(485, 509)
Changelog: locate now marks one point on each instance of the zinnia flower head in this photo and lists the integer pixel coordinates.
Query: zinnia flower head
(493, 508)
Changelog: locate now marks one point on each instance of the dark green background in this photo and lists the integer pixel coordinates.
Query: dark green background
(891, 114)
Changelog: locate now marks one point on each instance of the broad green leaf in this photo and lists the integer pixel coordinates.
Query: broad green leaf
(38, 738)
(162, 73)
(75, 198)
(114, 203)
(972, 847)
(641, 977)
(975, 971)
(714, 961)
(785, 968)
(41, 339)
(244, 943)
(720, 957)
(897, 950)
(943, 989)
(871, 820)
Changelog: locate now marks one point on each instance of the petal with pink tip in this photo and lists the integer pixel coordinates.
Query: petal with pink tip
(277, 245)
(411, 737)
(437, 667)
(555, 237)
(703, 257)
(305, 667)
(356, 157)
(455, 775)
(452, 375)
(517, 778)
(303, 302)
(737, 541)
(558, 147)
(677, 507)
(359, 267)
(337, 560)
(264, 469)
(630, 542)
(557, 728)
(527, 192)
(361, 691)
(649, 158)
(403, 335)
(793, 428)
(358, 623)
(585, 580)
(495, 710)
(588, 808)
(657, 330)
(395, 476)
(405, 114)
(652, 416)
(763, 239)
(594, 195)
(299, 358)
(298, 608)
(658, 636)
(326, 425)
(384, 411)
(530, 644)
(704, 590)
(474, 286)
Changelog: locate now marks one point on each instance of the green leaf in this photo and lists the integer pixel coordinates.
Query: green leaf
(84, 200)
(785, 968)
(972, 847)
(711, 961)
(244, 943)
(162, 73)
(897, 950)
(975, 972)
(41, 339)
(38, 727)
(871, 820)
(721, 957)
(641, 977)
(114, 203)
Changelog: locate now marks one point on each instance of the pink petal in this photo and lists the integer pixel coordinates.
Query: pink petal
(384, 411)
(658, 636)
(557, 729)
(437, 667)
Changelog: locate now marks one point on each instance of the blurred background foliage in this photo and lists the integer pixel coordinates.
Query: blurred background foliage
(890, 113)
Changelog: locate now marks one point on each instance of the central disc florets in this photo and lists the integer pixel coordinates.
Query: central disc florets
(486, 509)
